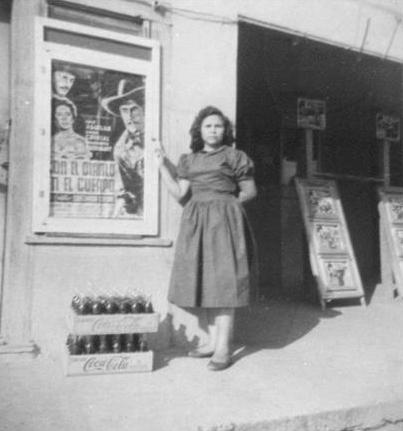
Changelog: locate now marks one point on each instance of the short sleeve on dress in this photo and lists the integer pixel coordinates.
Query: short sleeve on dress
(244, 167)
(182, 168)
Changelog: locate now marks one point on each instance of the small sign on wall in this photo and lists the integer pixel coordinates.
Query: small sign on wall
(387, 127)
(311, 114)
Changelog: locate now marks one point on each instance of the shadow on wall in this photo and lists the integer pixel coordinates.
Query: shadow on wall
(183, 337)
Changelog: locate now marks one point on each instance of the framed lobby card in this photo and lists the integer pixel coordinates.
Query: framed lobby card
(328, 237)
(331, 253)
(392, 202)
(338, 275)
(97, 110)
(321, 200)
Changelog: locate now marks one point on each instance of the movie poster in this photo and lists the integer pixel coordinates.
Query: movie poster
(97, 142)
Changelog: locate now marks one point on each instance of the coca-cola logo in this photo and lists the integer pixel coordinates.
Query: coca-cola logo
(116, 363)
(125, 324)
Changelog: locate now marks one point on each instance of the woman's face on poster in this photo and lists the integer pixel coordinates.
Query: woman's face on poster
(64, 117)
(63, 81)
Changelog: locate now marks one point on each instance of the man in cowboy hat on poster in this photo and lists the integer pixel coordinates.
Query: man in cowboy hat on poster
(128, 152)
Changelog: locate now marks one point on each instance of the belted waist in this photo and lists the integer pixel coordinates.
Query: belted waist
(202, 196)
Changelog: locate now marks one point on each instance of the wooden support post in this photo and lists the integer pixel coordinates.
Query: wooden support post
(309, 153)
(386, 162)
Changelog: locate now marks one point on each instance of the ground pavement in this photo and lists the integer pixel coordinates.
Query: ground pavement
(296, 368)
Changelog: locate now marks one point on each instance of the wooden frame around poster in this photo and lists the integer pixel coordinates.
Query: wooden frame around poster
(391, 234)
(93, 173)
(331, 254)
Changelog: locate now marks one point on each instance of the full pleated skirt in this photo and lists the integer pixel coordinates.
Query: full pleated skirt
(214, 254)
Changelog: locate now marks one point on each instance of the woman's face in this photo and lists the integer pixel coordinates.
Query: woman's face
(64, 117)
(212, 130)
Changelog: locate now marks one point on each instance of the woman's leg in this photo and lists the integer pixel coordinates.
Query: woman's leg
(212, 329)
(207, 349)
(224, 322)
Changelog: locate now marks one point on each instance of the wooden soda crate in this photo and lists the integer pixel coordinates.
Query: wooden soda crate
(108, 363)
(112, 323)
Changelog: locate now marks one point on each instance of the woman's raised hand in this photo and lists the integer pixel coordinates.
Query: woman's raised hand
(159, 152)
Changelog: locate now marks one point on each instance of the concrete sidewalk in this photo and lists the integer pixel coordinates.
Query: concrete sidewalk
(297, 368)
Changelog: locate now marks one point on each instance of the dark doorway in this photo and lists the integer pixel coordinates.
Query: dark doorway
(274, 69)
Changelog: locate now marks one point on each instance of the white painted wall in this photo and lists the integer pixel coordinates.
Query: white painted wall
(4, 131)
(339, 22)
(4, 73)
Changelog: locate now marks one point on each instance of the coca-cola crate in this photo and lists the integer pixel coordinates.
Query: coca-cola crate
(113, 323)
(108, 363)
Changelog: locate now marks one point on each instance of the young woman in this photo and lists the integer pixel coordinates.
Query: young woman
(212, 258)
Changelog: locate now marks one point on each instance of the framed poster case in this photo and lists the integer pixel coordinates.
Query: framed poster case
(391, 232)
(96, 112)
(330, 251)
(311, 114)
(387, 127)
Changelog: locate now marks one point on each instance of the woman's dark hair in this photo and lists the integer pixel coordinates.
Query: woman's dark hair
(59, 102)
(196, 143)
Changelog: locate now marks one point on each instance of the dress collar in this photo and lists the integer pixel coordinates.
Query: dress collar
(221, 148)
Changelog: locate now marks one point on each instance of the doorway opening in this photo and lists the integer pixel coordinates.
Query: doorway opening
(274, 69)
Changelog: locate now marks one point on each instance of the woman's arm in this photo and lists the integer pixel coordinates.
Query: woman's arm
(177, 187)
(247, 190)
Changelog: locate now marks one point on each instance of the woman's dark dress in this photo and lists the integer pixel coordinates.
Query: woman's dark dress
(212, 266)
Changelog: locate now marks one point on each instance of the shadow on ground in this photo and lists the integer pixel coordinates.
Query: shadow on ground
(275, 324)
(272, 324)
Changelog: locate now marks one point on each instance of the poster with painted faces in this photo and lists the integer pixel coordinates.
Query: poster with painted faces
(97, 142)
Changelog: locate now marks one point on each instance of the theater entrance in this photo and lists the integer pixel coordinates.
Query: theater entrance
(275, 69)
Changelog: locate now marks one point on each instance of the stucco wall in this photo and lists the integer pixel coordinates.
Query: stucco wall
(60, 272)
(4, 73)
(203, 73)
(4, 130)
(367, 25)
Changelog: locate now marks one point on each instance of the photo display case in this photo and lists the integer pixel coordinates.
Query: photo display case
(330, 251)
(96, 113)
(391, 233)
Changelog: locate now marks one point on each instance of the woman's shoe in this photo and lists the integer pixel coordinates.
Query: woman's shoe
(200, 354)
(219, 366)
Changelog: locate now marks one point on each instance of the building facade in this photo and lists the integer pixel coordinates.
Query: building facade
(252, 60)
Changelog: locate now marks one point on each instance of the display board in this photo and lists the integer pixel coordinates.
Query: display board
(331, 254)
(391, 231)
